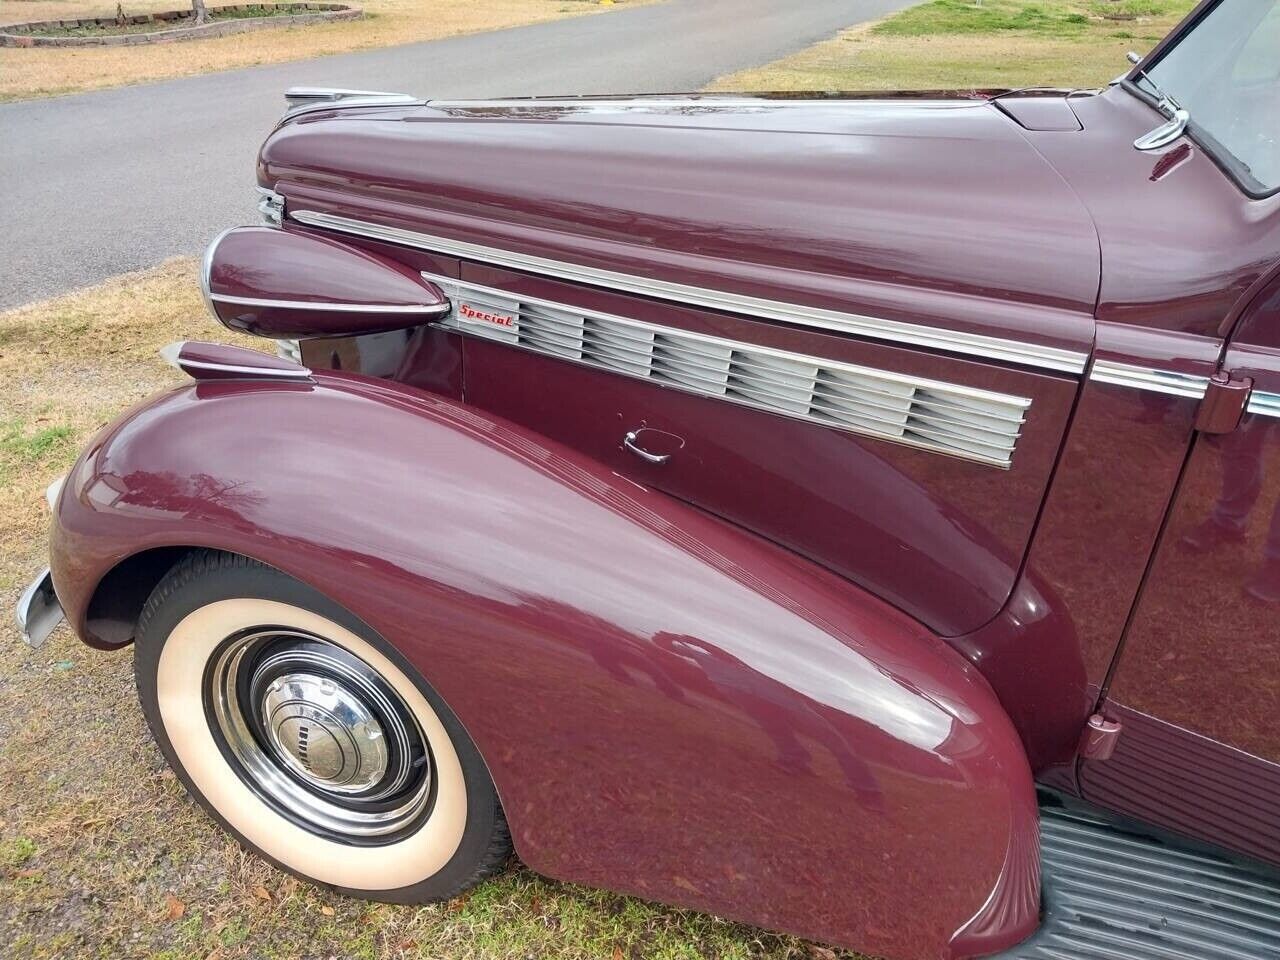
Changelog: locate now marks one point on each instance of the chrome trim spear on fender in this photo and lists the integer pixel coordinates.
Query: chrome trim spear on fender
(1264, 404)
(1193, 387)
(412, 309)
(938, 338)
(1149, 379)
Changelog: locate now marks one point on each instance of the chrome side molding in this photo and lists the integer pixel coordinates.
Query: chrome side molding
(300, 100)
(1264, 404)
(946, 418)
(426, 310)
(938, 338)
(1191, 386)
(1149, 379)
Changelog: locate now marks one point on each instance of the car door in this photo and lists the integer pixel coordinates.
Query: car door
(1196, 688)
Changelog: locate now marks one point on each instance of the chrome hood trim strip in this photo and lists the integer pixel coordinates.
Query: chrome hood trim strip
(950, 419)
(1150, 379)
(676, 100)
(936, 338)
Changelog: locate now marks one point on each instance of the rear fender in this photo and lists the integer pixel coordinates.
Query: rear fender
(669, 706)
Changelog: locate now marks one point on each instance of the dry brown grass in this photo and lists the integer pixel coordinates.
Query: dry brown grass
(68, 366)
(42, 72)
(101, 852)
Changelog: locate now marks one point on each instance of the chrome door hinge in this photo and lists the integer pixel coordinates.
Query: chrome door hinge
(1224, 403)
(1099, 738)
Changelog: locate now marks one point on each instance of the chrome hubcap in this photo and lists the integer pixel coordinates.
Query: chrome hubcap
(324, 732)
(319, 735)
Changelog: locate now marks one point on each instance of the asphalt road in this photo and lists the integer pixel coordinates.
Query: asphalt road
(95, 184)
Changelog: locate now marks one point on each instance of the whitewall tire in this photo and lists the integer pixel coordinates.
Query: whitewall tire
(310, 738)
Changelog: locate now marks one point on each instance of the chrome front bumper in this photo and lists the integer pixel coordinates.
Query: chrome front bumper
(39, 610)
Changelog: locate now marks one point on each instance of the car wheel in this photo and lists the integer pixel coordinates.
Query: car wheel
(310, 738)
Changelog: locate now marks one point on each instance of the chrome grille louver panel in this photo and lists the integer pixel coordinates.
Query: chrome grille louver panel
(946, 418)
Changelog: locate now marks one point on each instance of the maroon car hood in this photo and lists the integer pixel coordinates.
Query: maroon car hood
(918, 209)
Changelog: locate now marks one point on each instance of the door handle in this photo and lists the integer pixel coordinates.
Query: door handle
(631, 442)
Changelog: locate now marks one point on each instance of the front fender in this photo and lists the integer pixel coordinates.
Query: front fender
(669, 706)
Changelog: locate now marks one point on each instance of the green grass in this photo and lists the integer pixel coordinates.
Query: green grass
(1129, 9)
(16, 851)
(956, 44)
(33, 447)
(991, 16)
(23, 446)
(1047, 18)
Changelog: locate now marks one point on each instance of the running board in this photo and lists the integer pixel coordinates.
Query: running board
(1113, 894)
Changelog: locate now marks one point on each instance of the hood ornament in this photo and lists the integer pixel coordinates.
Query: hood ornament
(305, 99)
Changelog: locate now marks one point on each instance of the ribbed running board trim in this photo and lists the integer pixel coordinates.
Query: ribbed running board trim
(1112, 895)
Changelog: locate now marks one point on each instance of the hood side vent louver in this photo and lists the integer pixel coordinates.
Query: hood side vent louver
(945, 418)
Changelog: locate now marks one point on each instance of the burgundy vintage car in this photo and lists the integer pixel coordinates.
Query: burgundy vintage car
(852, 515)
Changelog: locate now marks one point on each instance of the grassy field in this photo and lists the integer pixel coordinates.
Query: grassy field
(43, 72)
(948, 44)
(102, 854)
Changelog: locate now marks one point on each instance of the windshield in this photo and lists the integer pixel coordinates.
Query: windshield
(1226, 72)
